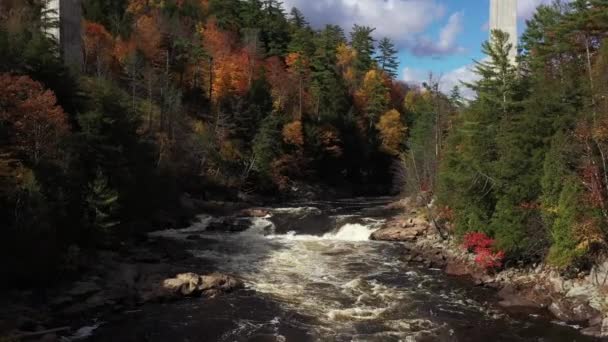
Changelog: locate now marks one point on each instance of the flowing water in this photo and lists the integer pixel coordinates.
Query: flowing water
(312, 274)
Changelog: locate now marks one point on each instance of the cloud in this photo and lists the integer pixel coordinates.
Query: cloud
(447, 81)
(404, 21)
(454, 77)
(447, 43)
(526, 8)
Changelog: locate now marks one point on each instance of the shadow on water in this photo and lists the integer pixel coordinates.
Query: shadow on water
(313, 275)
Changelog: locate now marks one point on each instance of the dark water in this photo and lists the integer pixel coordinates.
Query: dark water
(313, 275)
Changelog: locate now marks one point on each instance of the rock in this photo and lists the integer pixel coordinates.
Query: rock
(572, 310)
(513, 298)
(218, 283)
(408, 233)
(192, 284)
(598, 327)
(457, 268)
(230, 224)
(254, 212)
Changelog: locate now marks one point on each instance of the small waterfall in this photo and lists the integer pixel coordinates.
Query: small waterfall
(351, 232)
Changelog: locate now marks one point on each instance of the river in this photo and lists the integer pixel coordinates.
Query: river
(312, 274)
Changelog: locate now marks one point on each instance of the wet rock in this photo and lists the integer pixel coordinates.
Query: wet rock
(402, 228)
(192, 284)
(254, 212)
(572, 310)
(598, 328)
(456, 268)
(511, 297)
(398, 233)
(230, 224)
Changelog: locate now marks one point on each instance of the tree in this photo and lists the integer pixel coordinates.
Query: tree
(98, 48)
(362, 43)
(392, 132)
(35, 122)
(373, 96)
(387, 57)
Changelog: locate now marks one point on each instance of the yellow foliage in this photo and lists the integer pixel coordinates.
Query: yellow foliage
(411, 99)
(229, 151)
(293, 134)
(392, 131)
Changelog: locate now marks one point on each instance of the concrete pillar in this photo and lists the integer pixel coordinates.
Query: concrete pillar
(68, 13)
(503, 16)
(71, 33)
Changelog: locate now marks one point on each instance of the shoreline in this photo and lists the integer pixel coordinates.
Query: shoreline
(581, 302)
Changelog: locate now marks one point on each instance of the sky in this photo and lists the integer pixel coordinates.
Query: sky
(439, 36)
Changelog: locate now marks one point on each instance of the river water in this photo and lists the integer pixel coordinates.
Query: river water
(312, 274)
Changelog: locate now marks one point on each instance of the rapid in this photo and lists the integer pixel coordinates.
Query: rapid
(312, 274)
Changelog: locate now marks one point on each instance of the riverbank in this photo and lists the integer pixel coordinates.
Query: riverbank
(581, 301)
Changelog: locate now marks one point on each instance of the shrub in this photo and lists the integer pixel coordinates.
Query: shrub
(482, 245)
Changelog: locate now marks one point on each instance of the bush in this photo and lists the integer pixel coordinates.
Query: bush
(482, 245)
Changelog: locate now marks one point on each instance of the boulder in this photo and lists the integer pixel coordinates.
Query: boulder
(192, 284)
(254, 212)
(511, 298)
(572, 310)
(230, 224)
(399, 233)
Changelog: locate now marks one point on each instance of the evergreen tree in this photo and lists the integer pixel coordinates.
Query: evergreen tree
(387, 57)
(363, 44)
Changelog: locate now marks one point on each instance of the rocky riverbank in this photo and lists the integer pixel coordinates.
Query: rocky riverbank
(581, 301)
(157, 270)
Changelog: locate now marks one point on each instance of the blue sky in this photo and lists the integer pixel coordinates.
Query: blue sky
(442, 36)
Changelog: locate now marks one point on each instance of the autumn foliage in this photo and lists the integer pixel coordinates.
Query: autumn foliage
(482, 245)
(36, 123)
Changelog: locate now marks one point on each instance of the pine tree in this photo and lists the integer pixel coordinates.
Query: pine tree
(387, 57)
(363, 44)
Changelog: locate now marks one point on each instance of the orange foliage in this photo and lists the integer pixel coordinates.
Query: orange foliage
(293, 134)
(98, 44)
(35, 122)
(330, 140)
(122, 49)
(217, 42)
(279, 80)
(148, 36)
(231, 75)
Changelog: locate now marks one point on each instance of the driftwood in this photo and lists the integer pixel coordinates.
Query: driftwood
(40, 332)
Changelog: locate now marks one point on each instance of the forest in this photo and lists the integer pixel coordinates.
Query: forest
(217, 98)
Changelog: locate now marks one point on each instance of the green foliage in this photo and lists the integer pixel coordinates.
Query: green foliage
(102, 202)
(363, 44)
(387, 57)
(267, 144)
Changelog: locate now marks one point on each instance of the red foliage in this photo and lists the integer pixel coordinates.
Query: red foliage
(481, 245)
(36, 123)
(487, 259)
(474, 240)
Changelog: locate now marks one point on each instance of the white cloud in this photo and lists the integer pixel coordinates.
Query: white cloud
(454, 77)
(447, 43)
(401, 20)
(447, 81)
(526, 8)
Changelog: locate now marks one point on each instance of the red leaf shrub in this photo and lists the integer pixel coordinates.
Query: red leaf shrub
(474, 240)
(481, 245)
(487, 259)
